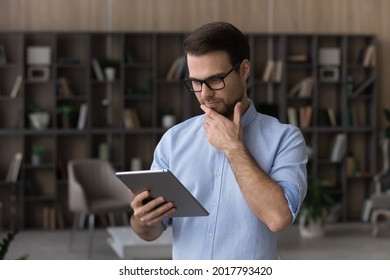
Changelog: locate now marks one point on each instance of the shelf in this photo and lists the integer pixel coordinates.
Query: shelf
(140, 84)
(39, 198)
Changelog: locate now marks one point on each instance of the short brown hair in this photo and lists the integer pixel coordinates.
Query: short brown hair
(218, 36)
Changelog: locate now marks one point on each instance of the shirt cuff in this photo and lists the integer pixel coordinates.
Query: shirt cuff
(292, 194)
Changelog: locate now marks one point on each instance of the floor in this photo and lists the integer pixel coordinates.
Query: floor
(342, 241)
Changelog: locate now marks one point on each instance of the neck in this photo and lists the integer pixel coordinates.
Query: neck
(230, 111)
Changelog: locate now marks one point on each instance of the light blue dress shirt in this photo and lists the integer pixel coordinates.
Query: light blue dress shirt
(231, 231)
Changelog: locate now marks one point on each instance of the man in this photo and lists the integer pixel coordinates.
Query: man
(247, 169)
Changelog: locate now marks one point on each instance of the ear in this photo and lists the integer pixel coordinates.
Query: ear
(245, 69)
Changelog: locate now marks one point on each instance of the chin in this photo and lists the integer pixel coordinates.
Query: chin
(222, 110)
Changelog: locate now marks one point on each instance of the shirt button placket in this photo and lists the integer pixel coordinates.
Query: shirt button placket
(213, 216)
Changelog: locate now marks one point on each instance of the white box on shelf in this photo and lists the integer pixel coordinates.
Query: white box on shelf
(38, 73)
(329, 74)
(329, 56)
(39, 55)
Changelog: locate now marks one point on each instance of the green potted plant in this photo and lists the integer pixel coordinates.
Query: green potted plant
(66, 112)
(315, 209)
(39, 118)
(36, 154)
(110, 67)
(168, 118)
(5, 244)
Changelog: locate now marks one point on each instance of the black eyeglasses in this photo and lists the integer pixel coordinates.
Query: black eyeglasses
(213, 83)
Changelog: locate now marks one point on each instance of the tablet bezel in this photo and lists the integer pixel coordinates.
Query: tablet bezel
(163, 183)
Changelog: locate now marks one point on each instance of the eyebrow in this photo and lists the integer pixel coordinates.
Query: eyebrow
(218, 75)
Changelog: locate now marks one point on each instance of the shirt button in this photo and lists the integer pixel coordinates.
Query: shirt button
(210, 234)
(214, 204)
(218, 173)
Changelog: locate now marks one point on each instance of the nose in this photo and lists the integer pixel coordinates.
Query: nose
(206, 91)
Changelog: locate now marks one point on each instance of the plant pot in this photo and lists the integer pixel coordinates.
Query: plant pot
(312, 229)
(35, 159)
(136, 164)
(168, 121)
(39, 120)
(66, 122)
(110, 73)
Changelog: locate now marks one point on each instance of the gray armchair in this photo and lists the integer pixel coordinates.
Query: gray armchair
(379, 202)
(93, 190)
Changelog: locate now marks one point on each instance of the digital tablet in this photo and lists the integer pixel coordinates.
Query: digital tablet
(163, 183)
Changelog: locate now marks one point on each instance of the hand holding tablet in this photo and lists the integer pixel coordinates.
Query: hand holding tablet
(163, 183)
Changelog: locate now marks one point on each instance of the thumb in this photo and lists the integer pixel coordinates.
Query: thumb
(237, 113)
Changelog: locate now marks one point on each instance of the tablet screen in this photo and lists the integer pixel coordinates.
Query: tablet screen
(163, 183)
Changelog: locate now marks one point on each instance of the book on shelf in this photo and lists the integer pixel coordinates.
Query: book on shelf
(97, 69)
(339, 147)
(362, 87)
(65, 88)
(305, 116)
(177, 69)
(171, 72)
(16, 87)
(3, 57)
(131, 118)
(360, 57)
(369, 58)
(294, 90)
(306, 87)
(303, 88)
(268, 70)
(298, 57)
(278, 73)
(14, 168)
(332, 117)
(352, 117)
(352, 165)
(83, 113)
(181, 70)
(373, 57)
(273, 71)
(292, 116)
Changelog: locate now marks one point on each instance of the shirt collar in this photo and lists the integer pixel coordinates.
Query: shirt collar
(249, 115)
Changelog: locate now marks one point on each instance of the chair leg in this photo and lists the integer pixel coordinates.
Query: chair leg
(82, 218)
(374, 222)
(374, 219)
(111, 219)
(73, 231)
(91, 228)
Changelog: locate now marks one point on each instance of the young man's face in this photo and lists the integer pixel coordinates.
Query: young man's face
(215, 65)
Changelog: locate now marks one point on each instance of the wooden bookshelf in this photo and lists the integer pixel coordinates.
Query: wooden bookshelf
(141, 84)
